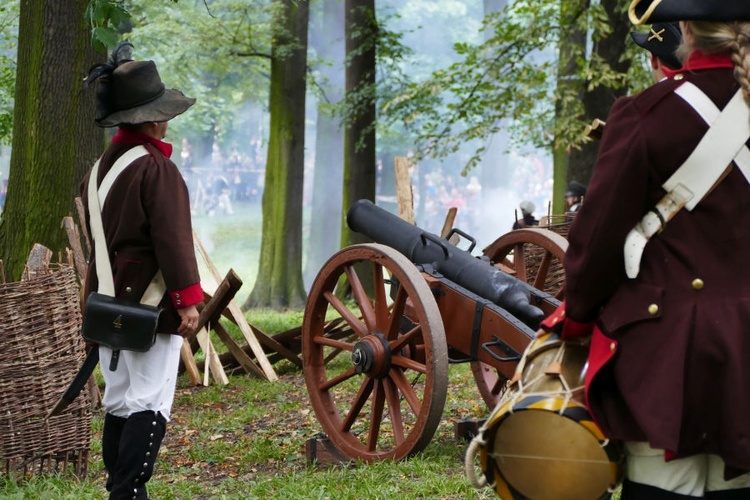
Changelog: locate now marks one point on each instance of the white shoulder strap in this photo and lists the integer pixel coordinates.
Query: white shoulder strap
(96, 198)
(724, 142)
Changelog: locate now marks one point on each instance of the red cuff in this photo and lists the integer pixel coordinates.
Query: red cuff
(187, 297)
(555, 321)
(568, 328)
(572, 329)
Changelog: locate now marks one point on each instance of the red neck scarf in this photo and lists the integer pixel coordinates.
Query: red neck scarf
(129, 136)
(698, 61)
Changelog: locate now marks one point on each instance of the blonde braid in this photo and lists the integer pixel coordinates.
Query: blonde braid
(734, 38)
(740, 52)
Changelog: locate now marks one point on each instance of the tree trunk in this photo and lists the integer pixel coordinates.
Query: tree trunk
(55, 140)
(359, 133)
(327, 40)
(572, 48)
(279, 281)
(598, 101)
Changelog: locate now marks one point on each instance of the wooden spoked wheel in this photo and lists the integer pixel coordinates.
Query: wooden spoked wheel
(385, 400)
(532, 255)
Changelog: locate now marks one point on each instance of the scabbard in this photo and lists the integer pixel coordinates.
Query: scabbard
(75, 387)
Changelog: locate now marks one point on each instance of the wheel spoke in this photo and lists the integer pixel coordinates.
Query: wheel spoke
(376, 416)
(519, 259)
(409, 364)
(358, 403)
(338, 344)
(346, 313)
(541, 274)
(360, 295)
(394, 409)
(397, 312)
(400, 342)
(403, 385)
(381, 300)
(332, 382)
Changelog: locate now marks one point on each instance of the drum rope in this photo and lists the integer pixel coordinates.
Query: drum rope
(471, 453)
(539, 457)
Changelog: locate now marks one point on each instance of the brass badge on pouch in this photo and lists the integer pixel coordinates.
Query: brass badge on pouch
(117, 323)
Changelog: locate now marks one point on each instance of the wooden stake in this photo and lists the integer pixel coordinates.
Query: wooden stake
(82, 224)
(404, 191)
(191, 367)
(239, 317)
(74, 238)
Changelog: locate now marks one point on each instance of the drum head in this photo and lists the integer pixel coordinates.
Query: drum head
(545, 456)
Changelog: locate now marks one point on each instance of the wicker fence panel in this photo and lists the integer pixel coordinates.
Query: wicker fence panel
(40, 350)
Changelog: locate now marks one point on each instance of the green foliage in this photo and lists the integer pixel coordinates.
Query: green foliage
(106, 18)
(510, 81)
(219, 53)
(8, 43)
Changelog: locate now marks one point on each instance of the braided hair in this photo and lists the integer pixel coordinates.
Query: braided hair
(732, 37)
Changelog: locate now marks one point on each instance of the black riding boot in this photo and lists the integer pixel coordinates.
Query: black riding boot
(111, 444)
(139, 444)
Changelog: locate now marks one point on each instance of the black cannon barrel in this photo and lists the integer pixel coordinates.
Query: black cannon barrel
(457, 265)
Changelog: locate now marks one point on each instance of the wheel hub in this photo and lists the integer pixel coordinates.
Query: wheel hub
(372, 356)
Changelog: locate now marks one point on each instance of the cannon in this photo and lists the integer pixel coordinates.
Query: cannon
(411, 303)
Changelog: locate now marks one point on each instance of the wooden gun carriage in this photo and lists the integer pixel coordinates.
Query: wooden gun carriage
(410, 305)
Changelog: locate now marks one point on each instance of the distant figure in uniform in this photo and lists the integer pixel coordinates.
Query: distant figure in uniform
(527, 212)
(656, 271)
(662, 43)
(574, 196)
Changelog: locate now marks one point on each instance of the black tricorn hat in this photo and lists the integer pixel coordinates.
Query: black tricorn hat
(575, 188)
(662, 41)
(134, 93)
(652, 11)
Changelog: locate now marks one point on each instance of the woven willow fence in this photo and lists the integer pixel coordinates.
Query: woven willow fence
(40, 351)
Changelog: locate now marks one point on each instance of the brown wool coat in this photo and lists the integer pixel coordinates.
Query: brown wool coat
(680, 377)
(147, 226)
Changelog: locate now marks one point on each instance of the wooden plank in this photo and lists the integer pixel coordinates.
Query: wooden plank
(222, 296)
(321, 451)
(239, 317)
(241, 356)
(74, 238)
(214, 365)
(450, 218)
(467, 429)
(191, 367)
(271, 343)
(404, 191)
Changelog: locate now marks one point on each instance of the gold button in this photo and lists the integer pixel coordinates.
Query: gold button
(697, 283)
(653, 309)
(612, 346)
(679, 76)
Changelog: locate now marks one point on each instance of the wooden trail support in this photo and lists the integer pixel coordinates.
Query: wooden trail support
(219, 301)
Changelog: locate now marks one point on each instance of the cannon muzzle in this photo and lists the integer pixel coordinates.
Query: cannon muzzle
(426, 249)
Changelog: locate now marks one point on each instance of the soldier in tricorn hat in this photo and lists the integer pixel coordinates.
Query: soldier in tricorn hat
(147, 228)
(661, 42)
(657, 267)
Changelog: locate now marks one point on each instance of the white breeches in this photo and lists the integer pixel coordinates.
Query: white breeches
(692, 476)
(142, 380)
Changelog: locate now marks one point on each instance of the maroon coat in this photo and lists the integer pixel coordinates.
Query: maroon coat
(670, 359)
(147, 226)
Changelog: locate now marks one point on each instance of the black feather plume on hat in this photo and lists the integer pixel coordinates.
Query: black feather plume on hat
(121, 54)
(101, 73)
